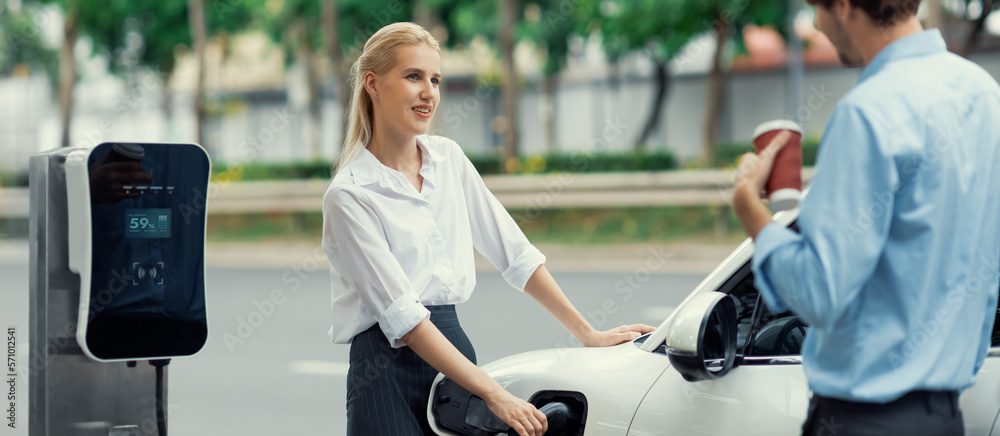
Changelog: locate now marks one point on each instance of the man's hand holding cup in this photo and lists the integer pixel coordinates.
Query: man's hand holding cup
(774, 171)
(753, 170)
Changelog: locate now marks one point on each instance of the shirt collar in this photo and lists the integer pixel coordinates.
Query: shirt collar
(430, 158)
(924, 43)
(367, 169)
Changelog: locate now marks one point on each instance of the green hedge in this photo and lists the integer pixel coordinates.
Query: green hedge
(535, 164)
(275, 171)
(581, 163)
(11, 179)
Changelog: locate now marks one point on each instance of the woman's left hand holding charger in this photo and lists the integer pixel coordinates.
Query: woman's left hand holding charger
(431, 345)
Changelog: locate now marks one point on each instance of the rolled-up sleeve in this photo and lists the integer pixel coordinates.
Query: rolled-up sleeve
(495, 234)
(355, 243)
(772, 237)
(820, 271)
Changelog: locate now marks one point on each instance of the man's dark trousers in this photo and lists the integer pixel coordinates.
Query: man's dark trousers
(916, 413)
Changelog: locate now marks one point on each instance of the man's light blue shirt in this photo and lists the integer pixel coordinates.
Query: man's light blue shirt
(896, 264)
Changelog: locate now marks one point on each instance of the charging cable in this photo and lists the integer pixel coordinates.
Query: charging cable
(161, 415)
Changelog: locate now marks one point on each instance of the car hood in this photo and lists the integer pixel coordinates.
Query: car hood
(614, 379)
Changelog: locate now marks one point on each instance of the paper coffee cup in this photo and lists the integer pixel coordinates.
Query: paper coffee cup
(784, 186)
(126, 153)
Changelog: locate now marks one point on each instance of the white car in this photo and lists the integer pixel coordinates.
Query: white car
(721, 364)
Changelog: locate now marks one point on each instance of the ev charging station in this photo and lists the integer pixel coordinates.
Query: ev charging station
(117, 283)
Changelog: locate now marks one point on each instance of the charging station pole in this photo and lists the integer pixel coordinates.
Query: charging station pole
(71, 394)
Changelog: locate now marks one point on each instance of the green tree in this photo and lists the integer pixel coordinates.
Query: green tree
(725, 19)
(22, 49)
(339, 68)
(128, 33)
(663, 28)
(299, 27)
(199, 38)
(502, 23)
(162, 29)
(348, 25)
(79, 16)
(296, 25)
(658, 28)
(137, 35)
(507, 15)
(493, 21)
(550, 24)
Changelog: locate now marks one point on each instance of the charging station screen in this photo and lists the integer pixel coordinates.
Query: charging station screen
(147, 223)
(147, 293)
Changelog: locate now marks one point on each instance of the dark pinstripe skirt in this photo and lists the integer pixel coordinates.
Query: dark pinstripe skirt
(387, 388)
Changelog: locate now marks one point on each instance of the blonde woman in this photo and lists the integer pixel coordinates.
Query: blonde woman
(400, 221)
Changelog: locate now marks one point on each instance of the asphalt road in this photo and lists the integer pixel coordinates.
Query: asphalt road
(269, 367)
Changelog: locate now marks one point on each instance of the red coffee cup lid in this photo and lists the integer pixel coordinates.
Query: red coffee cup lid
(768, 126)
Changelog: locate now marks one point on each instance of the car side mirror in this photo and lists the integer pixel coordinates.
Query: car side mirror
(701, 341)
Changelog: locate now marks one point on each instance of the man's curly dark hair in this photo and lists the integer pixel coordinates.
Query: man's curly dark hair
(882, 12)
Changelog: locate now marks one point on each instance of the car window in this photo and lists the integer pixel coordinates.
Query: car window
(778, 334)
(782, 334)
(996, 328)
(740, 287)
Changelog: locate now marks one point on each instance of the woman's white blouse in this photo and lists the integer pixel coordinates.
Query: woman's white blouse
(394, 250)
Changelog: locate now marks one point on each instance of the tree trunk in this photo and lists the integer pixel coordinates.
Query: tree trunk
(313, 98)
(506, 9)
(549, 90)
(935, 15)
(337, 65)
(167, 109)
(67, 73)
(977, 29)
(662, 76)
(424, 15)
(196, 19)
(713, 118)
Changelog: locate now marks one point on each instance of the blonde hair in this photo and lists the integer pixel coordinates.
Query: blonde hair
(379, 56)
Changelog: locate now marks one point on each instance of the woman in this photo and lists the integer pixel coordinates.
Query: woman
(400, 221)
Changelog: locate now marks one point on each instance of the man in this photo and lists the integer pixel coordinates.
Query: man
(896, 264)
